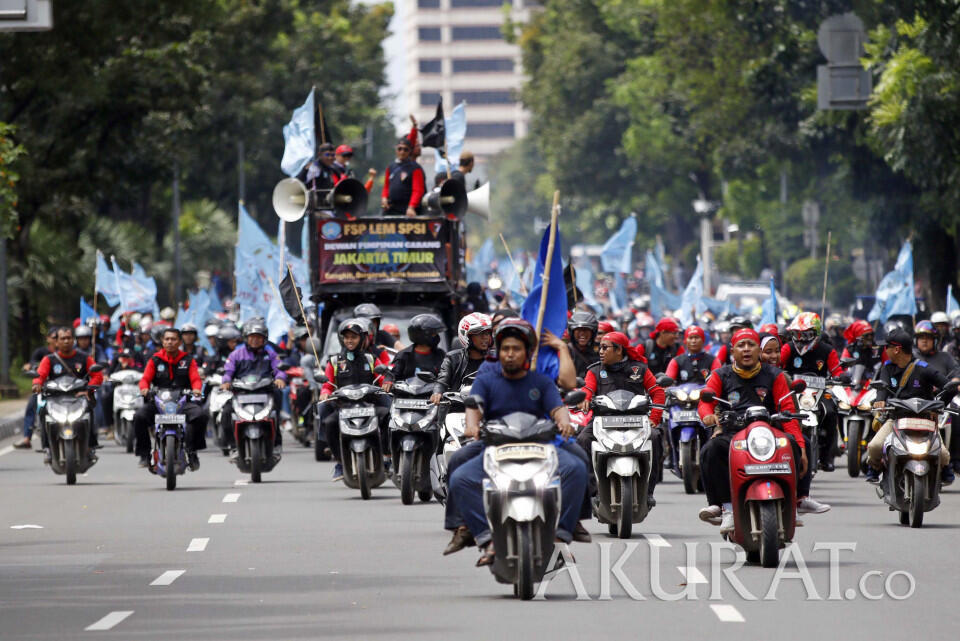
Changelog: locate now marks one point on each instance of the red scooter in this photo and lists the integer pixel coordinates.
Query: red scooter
(763, 481)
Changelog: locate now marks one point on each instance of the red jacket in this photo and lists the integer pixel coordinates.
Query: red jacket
(43, 370)
(781, 389)
(150, 371)
(673, 369)
(656, 393)
(417, 192)
(330, 386)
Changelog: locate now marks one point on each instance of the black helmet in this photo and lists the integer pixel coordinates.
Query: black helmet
(583, 320)
(355, 325)
(255, 326)
(228, 332)
(893, 325)
(368, 310)
(740, 322)
(517, 328)
(425, 329)
(83, 331)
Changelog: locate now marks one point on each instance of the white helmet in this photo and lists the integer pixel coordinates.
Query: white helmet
(473, 324)
(939, 317)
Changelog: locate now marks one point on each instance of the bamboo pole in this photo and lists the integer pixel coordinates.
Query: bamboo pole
(826, 270)
(303, 314)
(545, 286)
(523, 288)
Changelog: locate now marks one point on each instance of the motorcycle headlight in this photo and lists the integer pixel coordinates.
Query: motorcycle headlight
(694, 395)
(170, 407)
(807, 402)
(614, 439)
(843, 405)
(867, 401)
(264, 411)
(425, 422)
(917, 446)
(75, 413)
(353, 394)
(680, 395)
(245, 411)
(761, 443)
(540, 471)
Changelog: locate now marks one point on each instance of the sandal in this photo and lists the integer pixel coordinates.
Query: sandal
(487, 557)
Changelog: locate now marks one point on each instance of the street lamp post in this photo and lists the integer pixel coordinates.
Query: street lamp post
(704, 208)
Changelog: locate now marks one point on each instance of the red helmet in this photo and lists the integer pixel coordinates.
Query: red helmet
(344, 149)
(857, 329)
(770, 328)
(517, 328)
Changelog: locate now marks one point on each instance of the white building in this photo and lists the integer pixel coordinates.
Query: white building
(455, 50)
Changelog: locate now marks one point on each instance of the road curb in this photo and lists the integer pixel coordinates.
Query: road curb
(10, 425)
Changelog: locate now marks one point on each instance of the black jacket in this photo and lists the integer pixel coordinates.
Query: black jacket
(456, 366)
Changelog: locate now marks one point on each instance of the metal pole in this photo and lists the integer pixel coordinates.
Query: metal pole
(706, 239)
(241, 182)
(4, 316)
(176, 232)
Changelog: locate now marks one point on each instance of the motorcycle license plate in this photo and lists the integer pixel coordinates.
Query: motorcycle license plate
(165, 419)
(687, 416)
(412, 404)
(514, 452)
(623, 421)
(813, 382)
(356, 412)
(767, 468)
(246, 399)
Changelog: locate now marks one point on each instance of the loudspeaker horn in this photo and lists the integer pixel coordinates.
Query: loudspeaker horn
(478, 201)
(449, 199)
(349, 197)
(290, 199)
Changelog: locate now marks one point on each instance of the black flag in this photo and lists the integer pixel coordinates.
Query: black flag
(290, 296)
(435, 132)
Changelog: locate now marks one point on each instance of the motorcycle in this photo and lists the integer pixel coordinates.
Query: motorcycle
(255, 425)
(763, 481)
(687, 434)
(301, 426)
(854, 402)
(911, 479)
(170, 435)
(68, 422)
(218, 398)
(810, 405)
(126, 402)
(360, 444)
(521, 495)
(452, 426)
(414, 435)
(622, 455)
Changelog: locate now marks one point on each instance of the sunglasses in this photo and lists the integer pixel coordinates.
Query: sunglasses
(328, 155)
(604, 347)
(347, 155)
(402, 148)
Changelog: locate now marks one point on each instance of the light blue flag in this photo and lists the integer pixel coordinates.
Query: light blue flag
(770, 306)
(299, 139)
(661, 301)
(584, 272)
(201, 313)
(511, 280)
(616, 255)
(618, 297)
(106, 282)
(478, 267)
(456, 132)
(555, 314)
(256, 260)
(952, 305)
(137, 294)
(215, 305)
(895, 293)
(86, 311)
(692, 297)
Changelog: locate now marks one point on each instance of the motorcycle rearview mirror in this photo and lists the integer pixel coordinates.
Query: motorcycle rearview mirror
(877, 385)
(847, 362)
(798, 385)
(951, 387)
(707, 396)
(381, 369)
(31, 373)
(580, 381)
(96, 368)
(664, 381)
(427, 377)
(283, 367)
(320, 378)
(473, 401)
(575, 397)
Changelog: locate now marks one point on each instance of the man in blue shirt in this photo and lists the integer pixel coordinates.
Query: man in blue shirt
(516, 389)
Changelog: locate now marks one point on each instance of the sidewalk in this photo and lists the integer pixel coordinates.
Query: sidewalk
(11, 416)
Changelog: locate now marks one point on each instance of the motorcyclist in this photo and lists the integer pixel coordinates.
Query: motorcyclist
(126, 358)
(517, 389)
(926, 338)
(379, 338)
(254, 357)
(726, 331)
(770, 349)
(67, 361)
(85, 344)
(189, 334)
(662, 345)
(953, 346)
(354, 365)
(620, 368)
(423, 354)
(941, 324)
(860, 346)
(805, 353)
(745, 383)
(694, 364)
(583, 341)
(909, 377)
(30, 412)
(228, 337)
(833, 332)
(475, 332)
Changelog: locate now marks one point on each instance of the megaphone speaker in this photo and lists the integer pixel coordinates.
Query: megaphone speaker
(349, 198)
(290, 199)
(478, 201)
(450, 199)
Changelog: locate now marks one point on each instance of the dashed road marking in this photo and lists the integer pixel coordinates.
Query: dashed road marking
(657, 541)
(217, 518)
(198, 545)
(6, 450)
(233, 497)
(109, 621)
(167, 577)
(727, 613)
(241, 482)
(692, 574)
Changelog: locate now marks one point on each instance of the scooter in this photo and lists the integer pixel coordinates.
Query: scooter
(521, 495)
(301, 426)
(854, 402)
(622, 456)
(255, 425)
(763, 481)
(453, 423)
(217, 399)
(126, 402)
(414, 435)
(170, 435)
(360, 444)
(687, 434)
(68, 423)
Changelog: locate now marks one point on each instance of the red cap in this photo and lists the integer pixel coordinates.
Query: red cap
(344, 149)
(694, 330)
(741, 334)
(665, 324)
(770, 328)
(76, 323)
(605, 327)
(619, 338)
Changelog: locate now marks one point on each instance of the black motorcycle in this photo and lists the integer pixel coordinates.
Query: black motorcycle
(414, 435)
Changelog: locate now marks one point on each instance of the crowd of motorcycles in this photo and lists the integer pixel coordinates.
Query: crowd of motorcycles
(522, 491)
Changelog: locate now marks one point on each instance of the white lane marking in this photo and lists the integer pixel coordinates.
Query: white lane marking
(217, 518)
(168, 577)
(233, 497)
(198, 545)
(727, 613)
(109, 621)
(26, 526)
(240, 482)
(6, 450)
(657, 541)
(692, 574)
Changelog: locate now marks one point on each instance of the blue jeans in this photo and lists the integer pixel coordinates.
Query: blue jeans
(451, 518)
(466, 489)
(29, 416)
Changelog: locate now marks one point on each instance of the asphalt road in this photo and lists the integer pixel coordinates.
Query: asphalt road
(299, 557)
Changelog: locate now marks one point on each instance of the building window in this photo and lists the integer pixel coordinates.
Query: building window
(476, 65)
(477, 33)
(459, 4)
(431, 65)
(429, 33)
(490, 130)
(429, 98)
(484, 97)
(428, 4)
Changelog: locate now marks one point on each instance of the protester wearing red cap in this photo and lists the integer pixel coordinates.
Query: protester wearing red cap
(860, 346)
(745, 383)
(694, 364)
(621, 369)
(662, 346)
